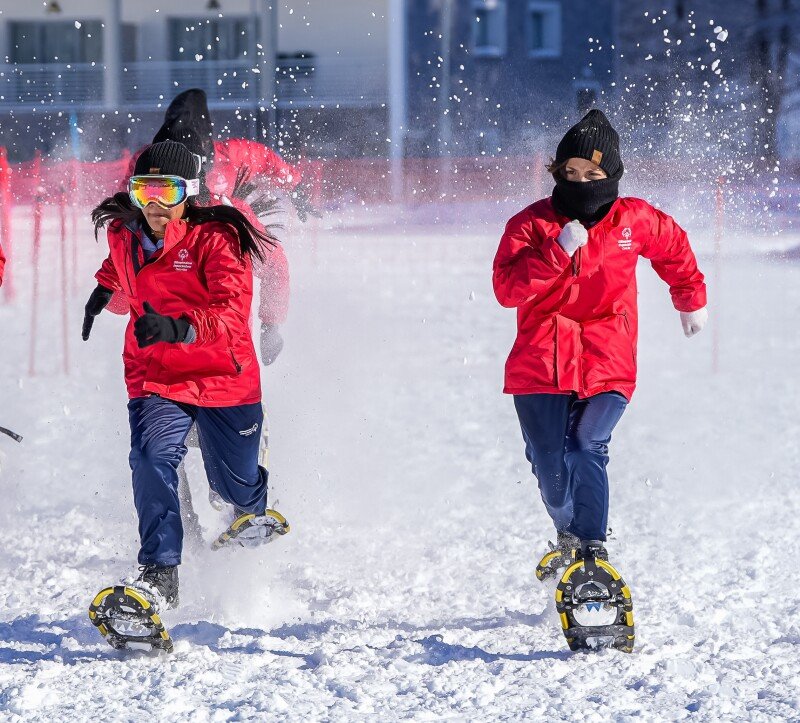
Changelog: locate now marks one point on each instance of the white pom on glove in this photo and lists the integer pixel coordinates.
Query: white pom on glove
(694, 321)
(572, 237)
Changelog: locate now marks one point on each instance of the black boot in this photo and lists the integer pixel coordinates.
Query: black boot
(164, 580)
(559, 557)
(592, 549)
(566, 541)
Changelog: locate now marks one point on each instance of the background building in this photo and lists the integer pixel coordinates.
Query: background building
(109, 67)
(485, 76)
(379, 78)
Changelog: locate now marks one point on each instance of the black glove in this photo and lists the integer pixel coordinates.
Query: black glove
(271, 343)
(97, 302)
(302, 204)
(152, 327)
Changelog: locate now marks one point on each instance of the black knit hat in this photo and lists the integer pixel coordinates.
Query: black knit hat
(168, 158)
(594, 139)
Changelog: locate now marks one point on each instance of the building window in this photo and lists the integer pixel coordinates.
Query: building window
(489, 28)
(210, 38)
(544, 29)
(56, 41)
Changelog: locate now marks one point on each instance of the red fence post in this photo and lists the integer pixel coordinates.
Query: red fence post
(538, 167)
(5, 223)
(719, 225)
(37, 243)
(62, 216)
(73, 192)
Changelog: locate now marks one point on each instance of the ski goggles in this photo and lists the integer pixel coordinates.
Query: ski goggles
(166, 191)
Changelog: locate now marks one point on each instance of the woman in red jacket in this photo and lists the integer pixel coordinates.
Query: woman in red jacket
(189, 357)
(567, 264)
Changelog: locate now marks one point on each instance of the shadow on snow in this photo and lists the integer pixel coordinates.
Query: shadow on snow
(74, 640)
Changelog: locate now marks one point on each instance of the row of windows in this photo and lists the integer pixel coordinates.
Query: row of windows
(542, 28)
(226, 38)
(62, 41)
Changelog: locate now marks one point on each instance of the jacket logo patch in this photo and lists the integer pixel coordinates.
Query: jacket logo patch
(249, 432)
(184, 263)
(626, 240)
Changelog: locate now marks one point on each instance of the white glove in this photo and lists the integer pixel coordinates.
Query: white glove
(572, 237)
(694, 321)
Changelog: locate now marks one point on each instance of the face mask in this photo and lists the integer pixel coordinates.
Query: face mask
(585, 200)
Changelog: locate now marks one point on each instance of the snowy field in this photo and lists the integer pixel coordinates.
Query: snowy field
(406, 588)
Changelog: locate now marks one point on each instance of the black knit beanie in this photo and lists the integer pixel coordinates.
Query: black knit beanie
(167, 158)
(594, 139)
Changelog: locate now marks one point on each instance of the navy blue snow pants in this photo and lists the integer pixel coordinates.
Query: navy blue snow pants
(566, 442)
(230, 438)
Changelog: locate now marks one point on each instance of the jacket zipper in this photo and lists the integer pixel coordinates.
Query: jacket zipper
(576, 262)
(236, 363)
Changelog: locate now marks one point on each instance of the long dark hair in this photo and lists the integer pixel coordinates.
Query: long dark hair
(252, 240)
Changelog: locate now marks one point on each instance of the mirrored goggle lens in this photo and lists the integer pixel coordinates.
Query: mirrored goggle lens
(163, 191)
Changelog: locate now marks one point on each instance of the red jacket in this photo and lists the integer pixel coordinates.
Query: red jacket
(262, 162)
(577, 318)
(2, 264)
(201, 276)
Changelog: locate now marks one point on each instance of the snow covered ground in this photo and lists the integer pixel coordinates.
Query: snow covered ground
(406, 587)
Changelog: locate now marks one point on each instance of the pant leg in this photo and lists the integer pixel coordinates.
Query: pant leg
(589, 433)
(229, 442)
(543, 419)
(158, 431)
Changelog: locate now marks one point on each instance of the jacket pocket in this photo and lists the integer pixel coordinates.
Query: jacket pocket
(236, 365)
(607, 351)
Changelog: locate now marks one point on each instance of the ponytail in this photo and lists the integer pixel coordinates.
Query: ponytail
(252, 240)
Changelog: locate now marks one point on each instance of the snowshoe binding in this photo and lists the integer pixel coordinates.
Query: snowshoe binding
(560, 556)
(128, 615)
(251, 530)
(594, 603)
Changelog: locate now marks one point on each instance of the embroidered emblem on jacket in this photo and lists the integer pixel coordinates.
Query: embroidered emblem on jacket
(184, 263)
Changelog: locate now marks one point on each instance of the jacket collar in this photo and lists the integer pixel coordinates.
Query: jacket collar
(175, 233)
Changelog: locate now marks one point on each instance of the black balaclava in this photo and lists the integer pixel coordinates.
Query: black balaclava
(594, 139)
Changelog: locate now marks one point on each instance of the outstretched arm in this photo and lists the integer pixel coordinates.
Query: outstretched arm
(260, 161)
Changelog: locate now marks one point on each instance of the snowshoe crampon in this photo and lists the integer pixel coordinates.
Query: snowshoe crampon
(249, 530)
(128, 620)
(595, 606)
(555, 560)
